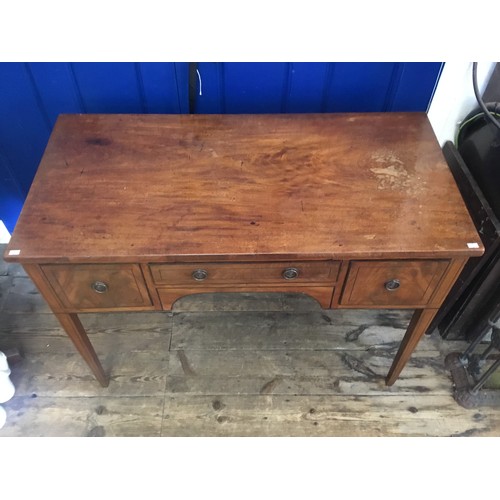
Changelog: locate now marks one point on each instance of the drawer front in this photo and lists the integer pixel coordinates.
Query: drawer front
(98, 286)
(261, 273)
(392, 283)
(323, 294)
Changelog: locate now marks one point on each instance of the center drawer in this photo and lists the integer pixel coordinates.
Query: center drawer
(243, 273)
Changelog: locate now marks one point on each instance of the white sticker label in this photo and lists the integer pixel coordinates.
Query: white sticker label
(473, 245)
(14, 252)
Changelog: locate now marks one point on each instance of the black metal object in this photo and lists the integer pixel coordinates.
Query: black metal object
(99, 287)
(193, 82)
(290, 273)
(392, 285)
(480, 151)
(472, 308)
(470, 371)
(478, 282)
(492, 90)
(475, 163)
(200, 275)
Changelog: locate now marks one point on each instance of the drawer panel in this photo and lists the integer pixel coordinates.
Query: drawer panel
(98, 286)
(323, 294)
(261, 273)
(392, 283)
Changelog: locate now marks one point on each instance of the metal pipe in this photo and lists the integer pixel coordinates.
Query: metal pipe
(485, 377)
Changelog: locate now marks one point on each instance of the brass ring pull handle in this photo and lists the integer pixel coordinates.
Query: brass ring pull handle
(200, 275)
(99, 287)
(392, 285)
(290, 273)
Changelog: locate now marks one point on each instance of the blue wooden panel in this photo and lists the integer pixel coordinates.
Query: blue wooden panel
(24, 128)
(307, 87)
(315, 87)
(416, 86)
(165, 87)
(56, 87)
(109, 87)
(243, 87)
(211, 99)
(256, 87)
(11, 197)
(358, 87)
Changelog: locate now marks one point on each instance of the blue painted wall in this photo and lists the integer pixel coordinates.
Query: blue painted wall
(32, 95)
(315, 87)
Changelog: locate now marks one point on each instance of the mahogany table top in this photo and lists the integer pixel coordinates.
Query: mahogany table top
(122, 188)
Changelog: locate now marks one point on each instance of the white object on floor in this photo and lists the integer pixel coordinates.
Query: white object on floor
(7, 388)
(3, 416)
(4, 234)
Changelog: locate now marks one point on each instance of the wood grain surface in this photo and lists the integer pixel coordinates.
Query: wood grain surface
(143, 188)
(417, 280)
(323, 294)
(260, 273)
(124, 285)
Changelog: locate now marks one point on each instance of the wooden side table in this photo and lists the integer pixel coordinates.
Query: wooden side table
(132, 212)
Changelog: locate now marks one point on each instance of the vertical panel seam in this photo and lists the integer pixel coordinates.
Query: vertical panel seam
(397, 74)
(177, 87)
(330, 70)
(38, 97)
(140, 88)
(192, 86)
(222, 87)
(287, 86)
(435, 87)
(78, 92)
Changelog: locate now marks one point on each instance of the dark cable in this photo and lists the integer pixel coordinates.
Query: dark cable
(488, 115)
